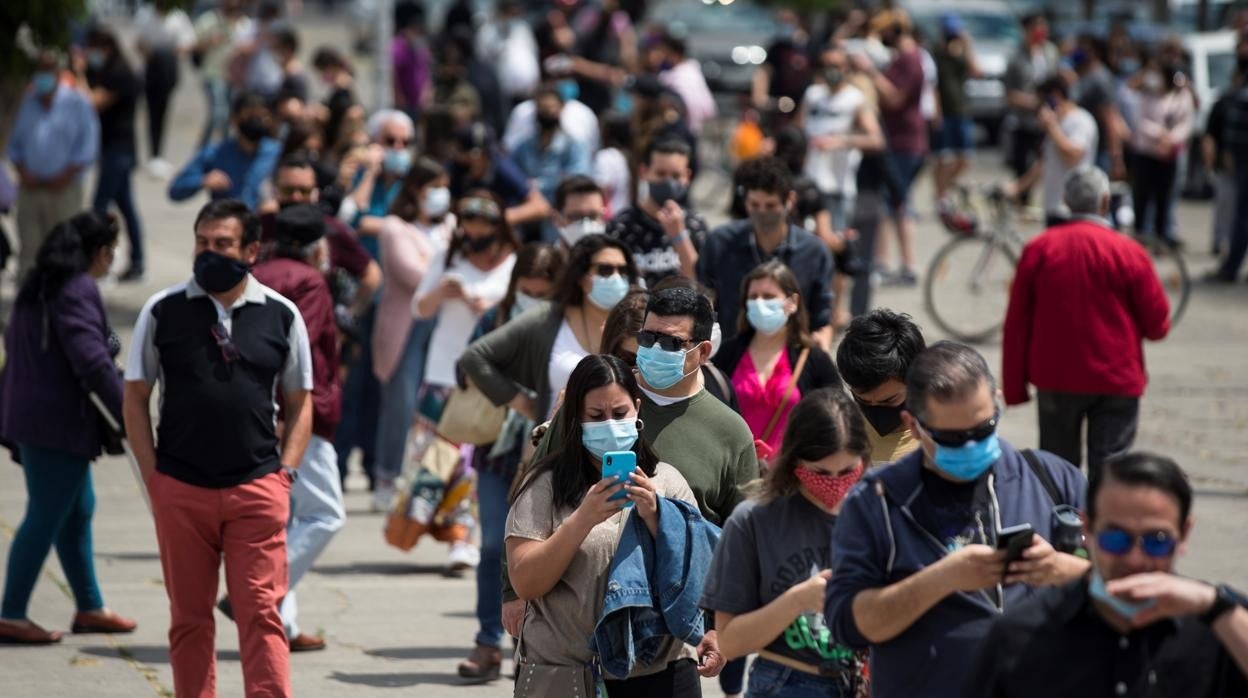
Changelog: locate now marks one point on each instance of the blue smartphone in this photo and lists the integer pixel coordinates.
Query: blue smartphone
(619, 465)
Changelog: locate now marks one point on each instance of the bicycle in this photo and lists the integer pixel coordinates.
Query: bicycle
(970, 306)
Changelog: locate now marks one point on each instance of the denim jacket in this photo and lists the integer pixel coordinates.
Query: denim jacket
(654, 586)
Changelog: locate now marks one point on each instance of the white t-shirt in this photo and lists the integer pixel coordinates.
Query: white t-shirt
(612, 174)
(832, 114)
(564, 356)
(1080, 128)
(687, 80)
(456, 320)
(927, 100)
(171, 31)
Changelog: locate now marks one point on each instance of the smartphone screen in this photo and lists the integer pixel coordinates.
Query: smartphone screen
(619, 465)
(1014, 540)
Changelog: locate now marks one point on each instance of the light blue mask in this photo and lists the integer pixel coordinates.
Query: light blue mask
(44, 83)
(766, 315)
(970, 460)
(1126, 609)
(608, 291)
(524, 301)
(396, 162)
(600, 438)
(661, 369)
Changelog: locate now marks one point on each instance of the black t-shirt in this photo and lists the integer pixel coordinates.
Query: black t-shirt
(791, 70)
(958, 514)
(1216, 126)
(117, 119)
(652, 249)
(1092, 93)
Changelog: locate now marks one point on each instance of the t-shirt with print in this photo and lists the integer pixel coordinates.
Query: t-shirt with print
(832, 114)
(958, 514)
(1080, 129)
(559, 624)
(652, 249)
(765, 549)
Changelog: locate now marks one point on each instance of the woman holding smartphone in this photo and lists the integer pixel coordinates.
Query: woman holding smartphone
(563, 529)
(763, 601)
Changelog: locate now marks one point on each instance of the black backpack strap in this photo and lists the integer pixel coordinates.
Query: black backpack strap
(1042, 473)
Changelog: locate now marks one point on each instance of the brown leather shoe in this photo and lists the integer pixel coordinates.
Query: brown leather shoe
(484, 664)
(25, 632)
(102, 621)
(306, 643)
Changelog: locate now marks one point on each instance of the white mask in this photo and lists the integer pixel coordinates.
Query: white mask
(574, 231)
(717, 338)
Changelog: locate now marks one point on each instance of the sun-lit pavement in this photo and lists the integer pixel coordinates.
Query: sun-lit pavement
(396, 626)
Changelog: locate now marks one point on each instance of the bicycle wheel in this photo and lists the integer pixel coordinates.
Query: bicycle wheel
(1172, 272)
(967, 287)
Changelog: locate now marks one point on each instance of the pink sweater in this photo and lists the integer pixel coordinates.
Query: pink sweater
(406, 249)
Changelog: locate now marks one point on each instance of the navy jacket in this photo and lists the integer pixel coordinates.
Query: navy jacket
(654, 586)
(879, 541)
(50, 367)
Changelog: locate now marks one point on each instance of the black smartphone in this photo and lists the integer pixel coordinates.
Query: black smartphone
(1014, 540)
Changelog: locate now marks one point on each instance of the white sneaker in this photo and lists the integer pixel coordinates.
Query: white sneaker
(159, 168)
(383, 496)
(464, 555)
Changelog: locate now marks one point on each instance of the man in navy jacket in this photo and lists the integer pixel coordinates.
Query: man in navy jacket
(917, 573)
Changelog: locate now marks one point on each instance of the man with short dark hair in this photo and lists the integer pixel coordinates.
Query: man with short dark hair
(1133, 627)
(1070, 141)
(919, 569)
(477, 163)
(874, 356)
(1084, 275)
(550, 154)
(734, 249)
(236, 167)
(224, 348)
(580, 209)
(661, 228)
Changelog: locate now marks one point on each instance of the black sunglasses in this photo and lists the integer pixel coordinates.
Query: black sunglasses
(229, 350)
(606, 270)
(958, 437)
(666, 342)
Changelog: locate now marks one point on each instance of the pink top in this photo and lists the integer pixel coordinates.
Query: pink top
(406, 250)
(759, 402)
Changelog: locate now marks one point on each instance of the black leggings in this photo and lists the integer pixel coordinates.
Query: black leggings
(679, 680)
(1153, 182)
(159, 81)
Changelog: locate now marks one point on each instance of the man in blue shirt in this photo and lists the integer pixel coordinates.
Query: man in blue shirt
(734, 249)
(551, 154)
(56, 136)
(477, 163)
(236, 167)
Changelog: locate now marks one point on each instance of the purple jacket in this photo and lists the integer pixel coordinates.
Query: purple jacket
(43, 389)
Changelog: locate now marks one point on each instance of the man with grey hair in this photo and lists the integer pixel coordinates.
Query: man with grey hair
(380, 175)
(1083, 299)
(918, 547)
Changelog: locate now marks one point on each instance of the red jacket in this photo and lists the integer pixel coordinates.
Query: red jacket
(304, 286)
(1083, 299)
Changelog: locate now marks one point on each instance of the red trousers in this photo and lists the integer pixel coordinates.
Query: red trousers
(196, 527)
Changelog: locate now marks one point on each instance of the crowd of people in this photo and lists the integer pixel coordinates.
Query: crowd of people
(664, 447)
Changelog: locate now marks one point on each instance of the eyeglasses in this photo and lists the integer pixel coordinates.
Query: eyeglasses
(607, 270)
(392, 142)
(958, 437)
(480, 209)
(666, 342)
(229, 350)
(1116, 541)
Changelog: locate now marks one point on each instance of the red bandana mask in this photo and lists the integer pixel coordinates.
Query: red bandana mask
(828, 489)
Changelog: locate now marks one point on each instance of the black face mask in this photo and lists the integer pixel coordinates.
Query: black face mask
(833, 76)
(883, 418)
(666, 190)
(216, 273)
(547, 122)
(479, 245)
(253, 128)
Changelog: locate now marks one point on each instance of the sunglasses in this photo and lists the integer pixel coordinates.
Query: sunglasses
(292, 191)
(666, 342)
(1116, 541)
(958, 437)
(395, 142)
(229, 350)
(607, 270)
(480, 209)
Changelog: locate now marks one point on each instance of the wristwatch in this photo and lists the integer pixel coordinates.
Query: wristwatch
(292, 472)
(1225, 601)
(683, 235)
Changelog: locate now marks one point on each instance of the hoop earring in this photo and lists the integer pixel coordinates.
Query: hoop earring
(641, 426)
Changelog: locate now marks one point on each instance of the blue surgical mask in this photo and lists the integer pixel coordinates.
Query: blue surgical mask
(767, 315)
(524, 301)
(600, 438)
(44, 83)
(661, 369)
(970, 460)
(95, 59)
(396, 162)
(608, 291)
(1126, 609)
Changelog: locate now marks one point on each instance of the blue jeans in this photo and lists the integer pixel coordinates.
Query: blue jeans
(316, 515)
(732, 678)
(398, 401)
(114, 184)
(217, 101)
(59, 505)
(840, 207)
(904, 168)
(492, 508)
(360, 399)
(771, 680)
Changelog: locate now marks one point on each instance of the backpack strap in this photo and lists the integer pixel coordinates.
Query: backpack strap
(1042, 474)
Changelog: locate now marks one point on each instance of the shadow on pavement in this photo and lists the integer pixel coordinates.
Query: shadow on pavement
(130, 557)
(388, 568)
(147, 654)
(419, 652)
(397, 680)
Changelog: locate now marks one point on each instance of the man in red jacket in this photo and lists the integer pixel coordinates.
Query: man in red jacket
(1084, 297)
(296, 271)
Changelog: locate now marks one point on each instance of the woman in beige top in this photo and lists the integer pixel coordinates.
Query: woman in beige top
(563, 529)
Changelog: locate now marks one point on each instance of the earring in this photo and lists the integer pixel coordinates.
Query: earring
(641, 426)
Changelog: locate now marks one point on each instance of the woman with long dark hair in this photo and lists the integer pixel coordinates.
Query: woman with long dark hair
(761, 602)
(563, 529)
(60, 353)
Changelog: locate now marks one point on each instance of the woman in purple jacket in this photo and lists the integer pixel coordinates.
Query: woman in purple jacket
(59, 350)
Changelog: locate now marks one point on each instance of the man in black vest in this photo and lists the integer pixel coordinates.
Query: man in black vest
(219, 471)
